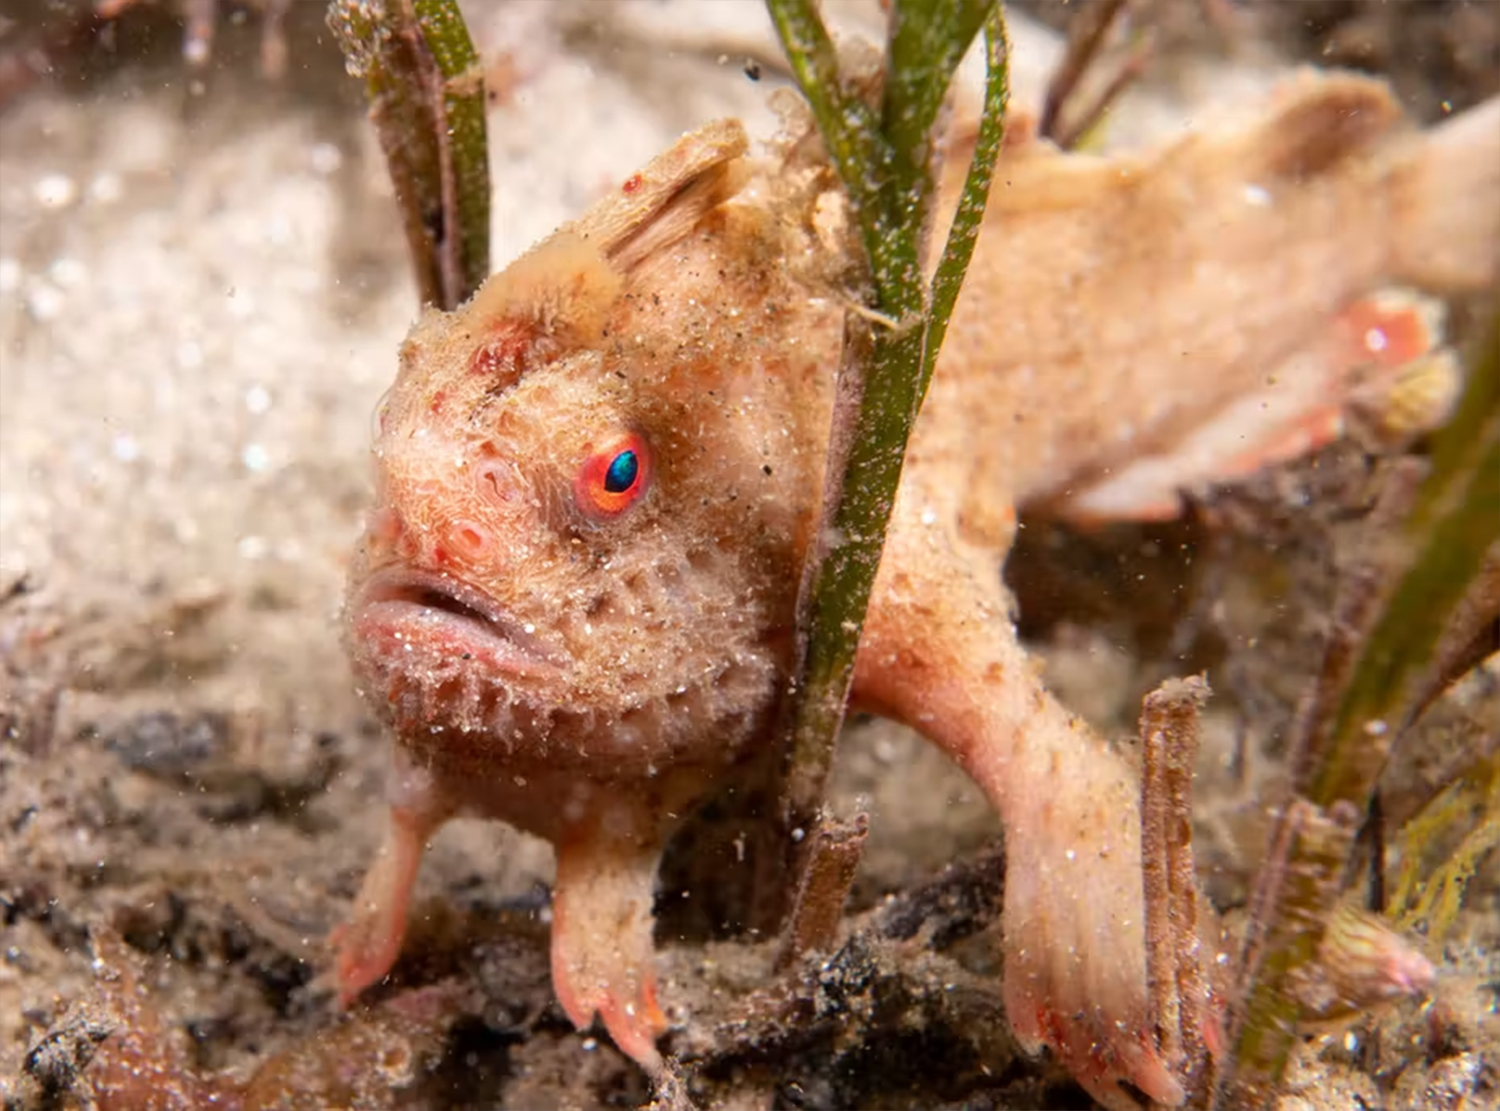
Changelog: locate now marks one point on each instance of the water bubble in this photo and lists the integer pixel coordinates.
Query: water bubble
(68, 273)
(124, 448)
(106, 188)
(55, 191)
(326, 158)
(189, 355)
(45, 301)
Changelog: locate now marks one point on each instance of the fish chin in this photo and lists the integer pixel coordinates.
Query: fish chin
(460, 678)
(439, 648)
(455, 674)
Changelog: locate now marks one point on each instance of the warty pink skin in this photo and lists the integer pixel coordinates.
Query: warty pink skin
(590, 677)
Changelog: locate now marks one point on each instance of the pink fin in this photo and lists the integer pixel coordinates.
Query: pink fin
(1299, 408)
(1072, 926)
(602, 953)
(369, 943)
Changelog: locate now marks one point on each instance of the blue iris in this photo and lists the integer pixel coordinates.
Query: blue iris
(622, 473)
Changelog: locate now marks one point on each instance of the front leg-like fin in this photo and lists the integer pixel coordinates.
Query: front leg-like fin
(940, 653)
(1075, 974)
(369, 943)
(602, 952)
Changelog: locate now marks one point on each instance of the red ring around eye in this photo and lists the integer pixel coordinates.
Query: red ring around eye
(614, 477)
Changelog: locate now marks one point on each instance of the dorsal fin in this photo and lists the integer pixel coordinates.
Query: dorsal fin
(662, 203)
(558, 295)
(1321, 119)
(562, 285)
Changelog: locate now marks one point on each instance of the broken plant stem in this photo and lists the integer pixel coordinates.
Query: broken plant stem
(1471, 635)
(886, 165)
(1169, 747)
(818, 907)
(1130, 69)
(1296, 892)
(1087, 30)
(1430, 896)
(1347, 736)
(426, 91)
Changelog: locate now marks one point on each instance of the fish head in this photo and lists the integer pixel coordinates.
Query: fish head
(594, 485)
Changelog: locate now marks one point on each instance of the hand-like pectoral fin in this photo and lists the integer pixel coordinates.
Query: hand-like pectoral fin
(369, 943)
(602, 952)
(941, 654)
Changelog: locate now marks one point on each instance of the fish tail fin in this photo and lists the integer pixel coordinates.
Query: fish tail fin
(1446, 203)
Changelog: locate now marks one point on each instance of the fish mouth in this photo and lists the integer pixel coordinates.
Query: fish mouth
(449, 617)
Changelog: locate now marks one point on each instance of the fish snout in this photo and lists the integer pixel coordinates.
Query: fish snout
(448, 514)
(431, 541)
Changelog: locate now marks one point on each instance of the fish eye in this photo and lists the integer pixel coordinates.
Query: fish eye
(623, 470)
(614, 476)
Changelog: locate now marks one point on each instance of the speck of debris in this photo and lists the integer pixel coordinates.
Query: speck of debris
(164, 743)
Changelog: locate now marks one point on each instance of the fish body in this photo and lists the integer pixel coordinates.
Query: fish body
(597, 481)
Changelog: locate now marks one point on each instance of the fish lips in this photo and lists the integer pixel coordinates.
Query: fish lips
(409, 617)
